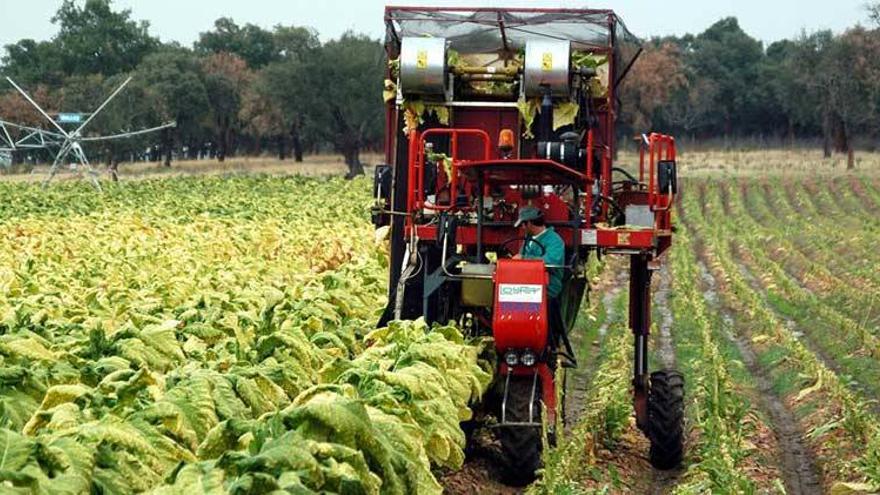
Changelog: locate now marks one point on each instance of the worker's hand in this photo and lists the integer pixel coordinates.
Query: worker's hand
(516, 256)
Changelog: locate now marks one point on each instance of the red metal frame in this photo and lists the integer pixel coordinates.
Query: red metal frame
(548, 388)
(417, 141)
(548, 165)
(658, 148)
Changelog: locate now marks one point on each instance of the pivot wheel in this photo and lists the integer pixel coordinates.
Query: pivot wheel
(666, 419)
(521, 446)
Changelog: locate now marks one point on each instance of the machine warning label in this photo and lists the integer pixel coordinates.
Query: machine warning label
(520, 293)
(589, 237)
(547, 62)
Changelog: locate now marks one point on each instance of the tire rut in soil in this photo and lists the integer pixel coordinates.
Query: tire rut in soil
(801, 473)
(662, 482)
(664, 342)
(579, 379)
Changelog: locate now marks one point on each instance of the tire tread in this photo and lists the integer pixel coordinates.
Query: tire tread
(521, 445)
(666, 419)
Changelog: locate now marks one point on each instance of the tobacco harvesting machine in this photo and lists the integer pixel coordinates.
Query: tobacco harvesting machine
(490, 110)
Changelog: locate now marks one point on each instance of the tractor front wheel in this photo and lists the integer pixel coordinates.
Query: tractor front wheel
(522, 445)
(666, 419)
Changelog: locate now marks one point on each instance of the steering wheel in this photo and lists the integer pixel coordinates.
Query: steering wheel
(524, 239)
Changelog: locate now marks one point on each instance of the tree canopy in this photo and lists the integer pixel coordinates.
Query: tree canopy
(246, 89)
(724, 83)
(239, 89)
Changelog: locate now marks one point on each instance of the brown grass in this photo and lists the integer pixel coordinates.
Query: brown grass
(768, 162)
(312, 165)
(775, 162)
(744, 163)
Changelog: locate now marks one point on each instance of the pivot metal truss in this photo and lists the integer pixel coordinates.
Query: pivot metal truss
(69, 144)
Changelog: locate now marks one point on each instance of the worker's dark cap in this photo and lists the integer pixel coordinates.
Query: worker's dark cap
(528, 214)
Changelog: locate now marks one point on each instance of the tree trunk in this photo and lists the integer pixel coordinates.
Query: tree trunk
(841, 139)
(352, 159)
(826, 135)
(224, 138)
(221, 146)
(282, 148)
(850, 154)
(231, 141)
(114, 169)
(167, 145)
(193, 150)
(296, 143)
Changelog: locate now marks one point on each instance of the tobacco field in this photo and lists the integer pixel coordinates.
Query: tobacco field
(216, 335)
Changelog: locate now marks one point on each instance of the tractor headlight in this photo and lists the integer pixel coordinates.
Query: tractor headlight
(528, 358)
(511, 358)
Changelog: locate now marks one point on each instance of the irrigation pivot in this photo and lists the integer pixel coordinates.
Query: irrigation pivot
(68, 143)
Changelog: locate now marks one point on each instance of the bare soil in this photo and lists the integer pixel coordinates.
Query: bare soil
(482, 470)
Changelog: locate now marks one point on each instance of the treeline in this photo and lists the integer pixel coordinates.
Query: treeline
(249, 90)
(724, 83)
(238, 90)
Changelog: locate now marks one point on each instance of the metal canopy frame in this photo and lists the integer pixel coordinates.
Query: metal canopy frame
(68, 143)
(487, 29)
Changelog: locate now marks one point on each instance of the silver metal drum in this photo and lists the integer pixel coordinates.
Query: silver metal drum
(423, 66)
(547, 63)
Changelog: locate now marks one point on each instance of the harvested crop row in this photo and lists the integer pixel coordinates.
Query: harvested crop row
(842, 431)
(726, 433)
(847, 341)
(830, 228)
(834, 276)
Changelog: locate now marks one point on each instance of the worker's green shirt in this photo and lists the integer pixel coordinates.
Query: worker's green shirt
(553, 254)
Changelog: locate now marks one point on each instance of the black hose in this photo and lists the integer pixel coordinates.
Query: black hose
(612, 203)
(627, 174)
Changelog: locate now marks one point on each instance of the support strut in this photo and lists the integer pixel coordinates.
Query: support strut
(640, 323)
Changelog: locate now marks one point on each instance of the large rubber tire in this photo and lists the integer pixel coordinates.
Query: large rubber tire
(666, 419)
(521, 445)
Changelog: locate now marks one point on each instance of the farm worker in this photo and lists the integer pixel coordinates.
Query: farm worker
(542, 242)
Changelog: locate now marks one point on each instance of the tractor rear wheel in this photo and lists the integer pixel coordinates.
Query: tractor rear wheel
(666, 419)
(521, 445)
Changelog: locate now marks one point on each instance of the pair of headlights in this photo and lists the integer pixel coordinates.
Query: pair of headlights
(523, 358)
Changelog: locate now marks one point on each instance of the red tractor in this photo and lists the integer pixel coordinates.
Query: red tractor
(490, 111)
